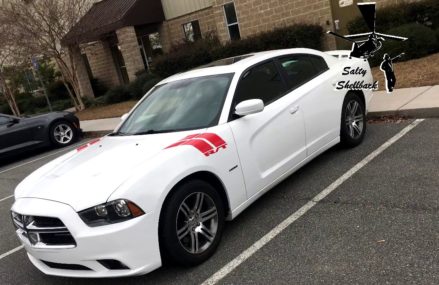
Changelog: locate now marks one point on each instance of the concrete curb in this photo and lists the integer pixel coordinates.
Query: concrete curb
(412, 113)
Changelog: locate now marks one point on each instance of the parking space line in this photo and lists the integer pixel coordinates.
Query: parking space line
(11, 252)
(43, 157)
(6, 198)
(38, 159)
(232, 265)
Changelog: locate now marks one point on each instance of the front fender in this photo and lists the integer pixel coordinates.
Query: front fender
(152, 182)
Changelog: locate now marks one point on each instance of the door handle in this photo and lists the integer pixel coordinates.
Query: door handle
(293, 110)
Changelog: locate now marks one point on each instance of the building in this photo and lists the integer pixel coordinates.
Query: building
(118, 39)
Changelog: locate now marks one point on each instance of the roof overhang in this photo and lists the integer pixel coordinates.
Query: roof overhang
(108, 16)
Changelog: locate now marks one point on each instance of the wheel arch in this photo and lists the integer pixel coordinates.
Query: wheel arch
(57, 120)
(360, 94)
(208, 177)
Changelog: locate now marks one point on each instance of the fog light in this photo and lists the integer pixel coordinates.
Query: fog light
(121, 208)
(101, 211)
(33, 238)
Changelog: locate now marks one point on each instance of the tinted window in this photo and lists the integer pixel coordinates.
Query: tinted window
(299, 69)
(319, 63)
(261, 82)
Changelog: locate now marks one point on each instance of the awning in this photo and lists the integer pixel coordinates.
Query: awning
(110, 15)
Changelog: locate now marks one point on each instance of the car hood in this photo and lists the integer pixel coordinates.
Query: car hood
(88, 175)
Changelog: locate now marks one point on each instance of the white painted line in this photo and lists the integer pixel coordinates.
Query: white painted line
(11, 252)
(46, 156)
(6, 198)
(40, 158)
(232, 265)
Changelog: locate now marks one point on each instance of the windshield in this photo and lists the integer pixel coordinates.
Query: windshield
(188, 104)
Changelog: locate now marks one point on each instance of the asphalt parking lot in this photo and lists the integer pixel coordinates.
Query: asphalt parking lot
(381, 225)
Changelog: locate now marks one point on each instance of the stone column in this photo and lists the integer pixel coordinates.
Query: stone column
(102, 64)
(129, 47)
(81, 73)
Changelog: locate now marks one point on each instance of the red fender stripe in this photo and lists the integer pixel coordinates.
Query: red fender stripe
(207, 143)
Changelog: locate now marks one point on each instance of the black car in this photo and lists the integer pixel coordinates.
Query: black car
(54, 129)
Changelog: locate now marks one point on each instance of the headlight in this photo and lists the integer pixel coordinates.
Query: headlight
(110, 213)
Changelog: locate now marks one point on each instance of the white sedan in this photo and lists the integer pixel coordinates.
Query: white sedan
(197, 150)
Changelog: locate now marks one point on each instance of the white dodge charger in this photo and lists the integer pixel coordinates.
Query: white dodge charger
(197, 150)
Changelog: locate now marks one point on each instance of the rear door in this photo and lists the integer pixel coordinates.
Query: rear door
(272, 142)
(312, 79)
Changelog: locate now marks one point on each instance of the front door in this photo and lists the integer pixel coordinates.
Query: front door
(12, 135)
(272, 142)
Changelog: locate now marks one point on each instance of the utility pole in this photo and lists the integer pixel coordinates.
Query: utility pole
(36, 66)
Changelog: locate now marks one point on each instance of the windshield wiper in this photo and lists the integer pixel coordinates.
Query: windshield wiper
(151, 132)
(117, 134)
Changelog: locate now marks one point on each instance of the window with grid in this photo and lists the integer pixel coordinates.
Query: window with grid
(232, 21)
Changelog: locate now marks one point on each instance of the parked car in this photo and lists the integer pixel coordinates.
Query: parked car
(54, 129)
(197, 150)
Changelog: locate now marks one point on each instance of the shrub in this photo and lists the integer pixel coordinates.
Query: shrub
(116, 95)
(4, 109)
(136, 88)
(57, 91)
(421, 42)
(62, 105)
(94, 102)
(149, 84)
(28, 104)
(185, 56)
(99, 88)
(189, 55)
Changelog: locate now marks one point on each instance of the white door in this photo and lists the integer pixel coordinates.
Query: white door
(320, 103)
(272, 142)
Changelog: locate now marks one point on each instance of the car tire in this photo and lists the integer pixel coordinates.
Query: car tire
(190, 231)
(62, 133)
(353, 121)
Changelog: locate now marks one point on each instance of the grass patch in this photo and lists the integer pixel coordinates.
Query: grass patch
(413, 73)
(104, 112)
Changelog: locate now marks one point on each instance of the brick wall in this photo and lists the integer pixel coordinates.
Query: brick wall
(254, 16)
(172, 31)
(129, 47)
(101, 63)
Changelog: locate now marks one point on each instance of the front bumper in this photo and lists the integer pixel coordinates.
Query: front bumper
(133, 243)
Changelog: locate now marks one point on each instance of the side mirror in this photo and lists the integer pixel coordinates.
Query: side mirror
(124, 117)
(249, 107)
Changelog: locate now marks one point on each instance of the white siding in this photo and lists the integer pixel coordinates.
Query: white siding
(176, 8)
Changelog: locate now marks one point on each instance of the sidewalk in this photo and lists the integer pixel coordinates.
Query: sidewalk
(419, 102)
(100, 125)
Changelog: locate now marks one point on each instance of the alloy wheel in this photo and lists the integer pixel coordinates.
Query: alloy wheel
(354, 119)
(197, 222)
(63, 134)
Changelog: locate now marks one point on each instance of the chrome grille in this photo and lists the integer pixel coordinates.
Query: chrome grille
(43, 232)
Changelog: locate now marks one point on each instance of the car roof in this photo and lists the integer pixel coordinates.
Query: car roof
(237, 64)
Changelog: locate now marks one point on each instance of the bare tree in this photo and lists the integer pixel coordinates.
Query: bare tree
(9, 55)
(43, 23)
